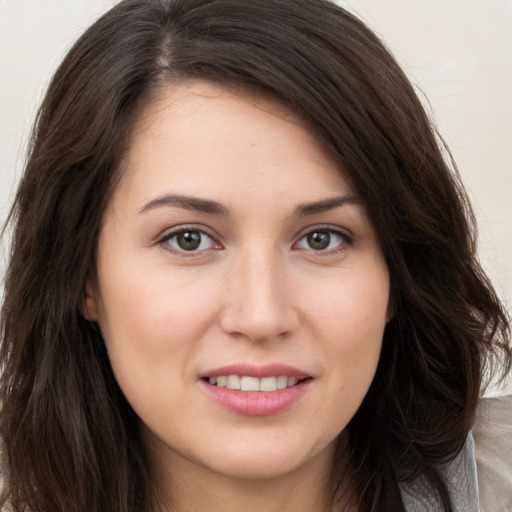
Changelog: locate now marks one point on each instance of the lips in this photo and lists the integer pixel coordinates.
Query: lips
(256, 390)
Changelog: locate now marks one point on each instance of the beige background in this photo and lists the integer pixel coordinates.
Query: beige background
(457, 52)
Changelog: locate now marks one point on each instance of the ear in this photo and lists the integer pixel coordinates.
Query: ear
(90, 304)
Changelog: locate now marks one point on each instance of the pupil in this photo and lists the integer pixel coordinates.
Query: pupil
(319, 240)
(189, 240)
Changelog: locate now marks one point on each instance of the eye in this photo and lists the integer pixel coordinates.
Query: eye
(323, 240)
(188, 240)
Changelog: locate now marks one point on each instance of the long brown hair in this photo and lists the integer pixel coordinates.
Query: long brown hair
(69, 439)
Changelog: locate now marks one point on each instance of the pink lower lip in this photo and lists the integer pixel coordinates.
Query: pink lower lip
(257, 403)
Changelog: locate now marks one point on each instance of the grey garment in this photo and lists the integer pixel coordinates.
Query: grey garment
(493, 451)
(480, 478)
(461, 476)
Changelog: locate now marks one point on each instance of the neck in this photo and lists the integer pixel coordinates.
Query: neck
(230, 495)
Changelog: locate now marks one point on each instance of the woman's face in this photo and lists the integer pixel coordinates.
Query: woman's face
(233, 253)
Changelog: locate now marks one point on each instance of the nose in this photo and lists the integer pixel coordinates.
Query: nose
(259, 304)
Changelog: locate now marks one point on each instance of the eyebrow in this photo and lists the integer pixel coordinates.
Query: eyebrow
(211, 207)
(325, 205)
(195, 204)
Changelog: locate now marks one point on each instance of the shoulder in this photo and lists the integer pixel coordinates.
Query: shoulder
(492, 433)
(484, 465)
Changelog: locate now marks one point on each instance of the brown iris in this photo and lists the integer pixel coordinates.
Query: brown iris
(319, 240)
(188, 240)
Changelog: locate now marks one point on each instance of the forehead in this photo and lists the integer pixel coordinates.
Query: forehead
(203, 139)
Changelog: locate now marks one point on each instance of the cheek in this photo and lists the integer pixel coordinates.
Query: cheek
(153, 319)
(154, 329)
(153, 302)
(352, 308)
(349, 316)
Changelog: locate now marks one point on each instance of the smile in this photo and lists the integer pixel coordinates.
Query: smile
(248, 383)
(250, 390)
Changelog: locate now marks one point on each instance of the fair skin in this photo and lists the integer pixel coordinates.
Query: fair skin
(233, 239)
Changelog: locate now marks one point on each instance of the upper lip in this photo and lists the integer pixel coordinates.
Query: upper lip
(244, 369)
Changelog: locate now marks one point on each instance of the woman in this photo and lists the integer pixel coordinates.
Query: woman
(242, 275)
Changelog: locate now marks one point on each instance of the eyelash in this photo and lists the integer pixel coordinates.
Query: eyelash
(164, 241)
(344, 240)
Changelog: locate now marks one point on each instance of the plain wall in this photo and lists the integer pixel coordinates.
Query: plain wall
(457, 52)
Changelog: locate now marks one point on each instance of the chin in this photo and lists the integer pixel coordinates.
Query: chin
(264, 462)
(263, 469)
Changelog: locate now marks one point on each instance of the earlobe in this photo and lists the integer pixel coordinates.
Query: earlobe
(90, 304)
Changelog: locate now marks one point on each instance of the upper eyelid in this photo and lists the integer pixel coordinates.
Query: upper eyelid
(326, 227)
(176, 230)
(346, 241)
(163, 242)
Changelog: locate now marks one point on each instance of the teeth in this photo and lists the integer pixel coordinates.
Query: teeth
(292, 381)
(268, 384)
(250, 384)
(233, 382)
(282, 382)
(246, 383)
